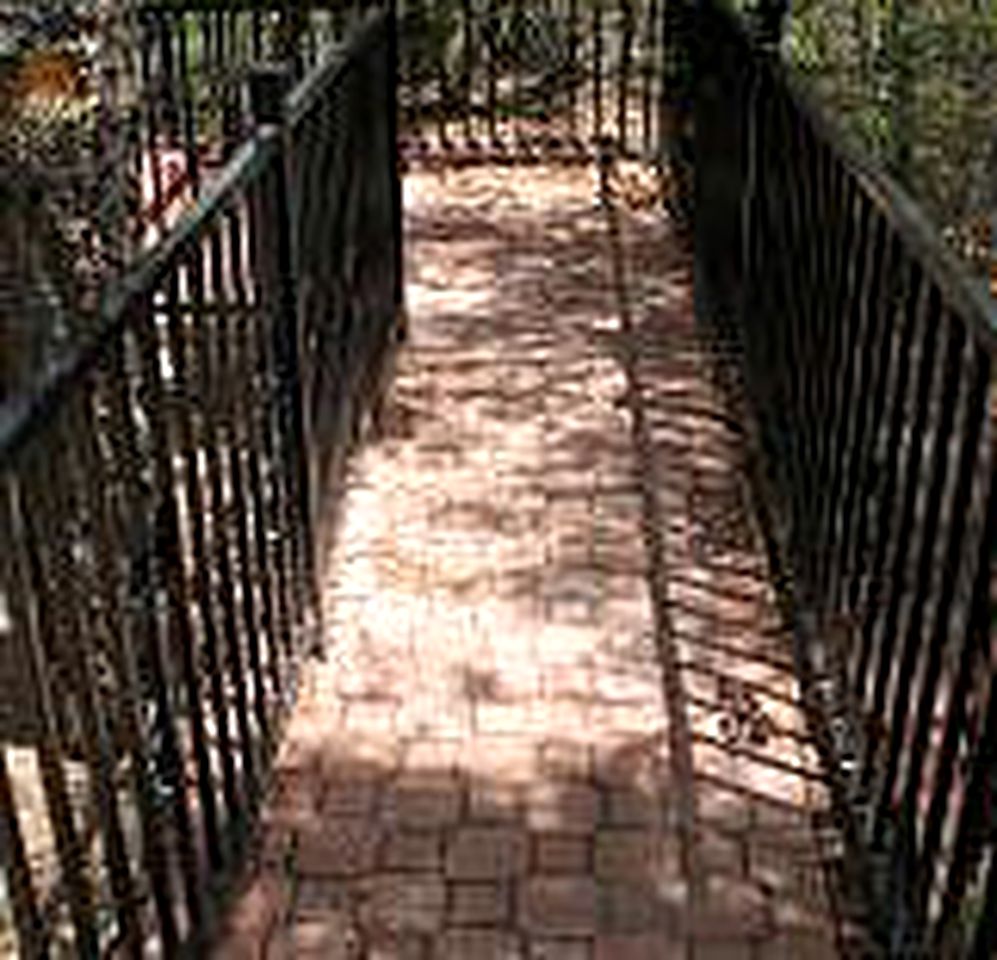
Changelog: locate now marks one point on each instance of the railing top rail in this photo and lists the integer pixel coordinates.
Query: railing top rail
(338, 60)
(30, 410)
(962, 291)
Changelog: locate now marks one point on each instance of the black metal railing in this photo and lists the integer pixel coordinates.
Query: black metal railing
(520, 78)
(865, 357)
(189, 111)
(94, 175)
(159, 516)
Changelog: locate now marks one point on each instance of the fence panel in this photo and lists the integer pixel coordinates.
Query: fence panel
(866, 357)
(520, 79)
(157, 579)
(345, 176)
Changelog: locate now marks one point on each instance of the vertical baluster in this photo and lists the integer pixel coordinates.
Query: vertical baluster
(165, 88)
(151, 167)
(493, 49)
(516, 42)
(972, 836)
(852, 448)
(811, 324)
(840, 325)
(32, 935)
(255, 402)
(131, 518)
(927, 691)
(947, 390)
(811, 238)
(817, 326)
(467, 79)
(802, 158)
(74, 584)
(231, 374)
(778, 314)
(649, 69)
(264, 274)
(338, 21)
(208, 87)
(856, 347)
(14, 862)
(165, 580)
(196, 444)
(311, 39)
(443, 101)
(910, 302)
(184, 399)
(985, 937)
(213, 356)
(25, 574)
(397, 212)
(243, 454)
(973, 659)
(912, 560)
(866, 478)
(189, 109)
(256, 29)
(927, 336)
(287, 350)
(811, 229)
(628, 16)
(422, 66)
(233, 80)
(545, 90)
(100, 461)
(575, 76)
(597, 91)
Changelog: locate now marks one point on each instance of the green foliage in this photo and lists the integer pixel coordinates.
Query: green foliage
(914, 80)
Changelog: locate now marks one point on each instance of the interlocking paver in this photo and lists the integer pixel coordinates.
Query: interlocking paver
(541, 949)
(488, 853)
(337, 848)
(560, 906)
(567, 807)
(627, 854)
(483, 765)
(641, 946)
(458, 944)
(559, 853)
(480, 904)
(416, 850)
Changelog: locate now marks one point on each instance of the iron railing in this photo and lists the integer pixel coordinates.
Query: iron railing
(513, 79)
(117, 154)
(159, 522)
(193, 62)
(864, 356)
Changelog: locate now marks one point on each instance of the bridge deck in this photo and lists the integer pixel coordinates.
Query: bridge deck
(555, 717)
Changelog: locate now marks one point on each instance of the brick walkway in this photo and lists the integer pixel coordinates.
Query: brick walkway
(484, 765)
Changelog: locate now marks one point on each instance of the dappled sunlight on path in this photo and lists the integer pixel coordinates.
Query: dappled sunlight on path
(482, 766)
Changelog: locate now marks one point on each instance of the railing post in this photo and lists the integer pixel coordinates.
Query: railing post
(269, 84)
(768, 18)
(396, 180)
(675, 106)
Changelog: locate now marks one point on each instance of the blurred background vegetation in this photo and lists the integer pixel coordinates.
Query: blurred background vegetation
(915, 81)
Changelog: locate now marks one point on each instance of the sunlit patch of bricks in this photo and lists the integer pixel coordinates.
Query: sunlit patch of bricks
(479, 767)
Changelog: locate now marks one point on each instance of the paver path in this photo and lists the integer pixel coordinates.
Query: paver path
(483, 765)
